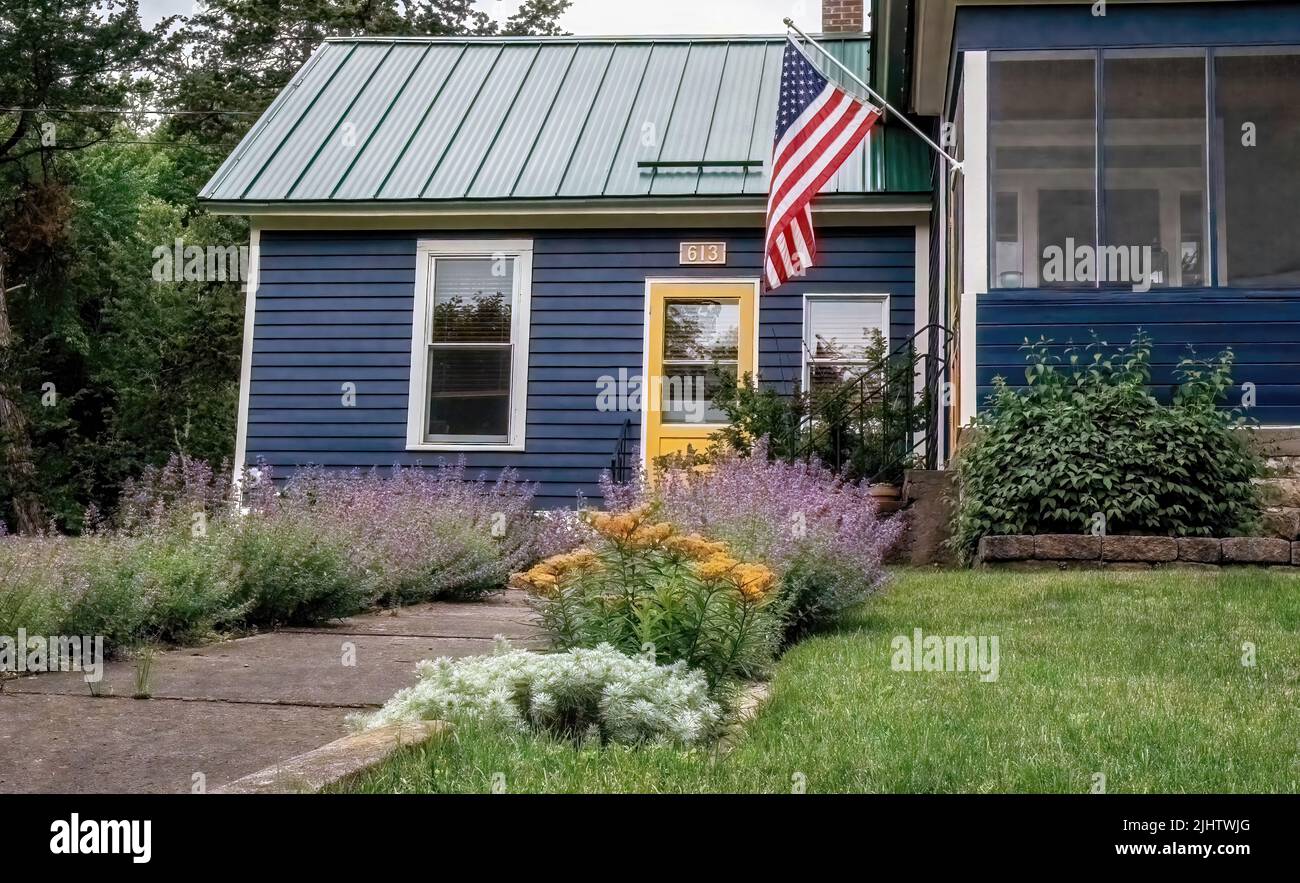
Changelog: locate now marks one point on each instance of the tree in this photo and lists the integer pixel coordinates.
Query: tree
(239, 54)
(139, 368)
(75, 54)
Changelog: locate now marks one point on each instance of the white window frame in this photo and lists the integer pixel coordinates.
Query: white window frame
(428, 252)
(808, 299)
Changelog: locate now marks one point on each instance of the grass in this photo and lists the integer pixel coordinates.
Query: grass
(1135, 676)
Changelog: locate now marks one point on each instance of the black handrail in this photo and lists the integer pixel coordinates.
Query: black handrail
(620, 464)
(872, 387)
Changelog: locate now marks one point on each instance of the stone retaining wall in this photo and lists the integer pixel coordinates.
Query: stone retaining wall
(1056, 551)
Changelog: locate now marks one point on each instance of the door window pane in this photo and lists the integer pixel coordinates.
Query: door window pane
(1042, 156)
(701, 340)
(1154, 161)
(701, 330)
(1258, 123)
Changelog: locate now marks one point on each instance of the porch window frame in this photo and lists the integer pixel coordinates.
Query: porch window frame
(1210, 162)
(428, 253)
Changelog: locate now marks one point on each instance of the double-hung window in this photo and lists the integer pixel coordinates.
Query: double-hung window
(843, 336)
(469, 354)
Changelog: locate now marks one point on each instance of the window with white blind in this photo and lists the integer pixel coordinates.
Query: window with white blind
(841, 332)
(469, 354)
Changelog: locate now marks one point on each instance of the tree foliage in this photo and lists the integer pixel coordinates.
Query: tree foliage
(106, 368)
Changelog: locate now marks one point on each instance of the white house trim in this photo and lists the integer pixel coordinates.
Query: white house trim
(427, 250)
(975, 243)
(246, 361)
(921, 309)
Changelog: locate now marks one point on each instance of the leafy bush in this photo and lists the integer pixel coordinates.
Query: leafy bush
(1090, 446)
(861, 428)
(178, 560)
(595, 694)
(644, 588)
(32, 590)
(292, 575)
(420, 534)
(820, 534)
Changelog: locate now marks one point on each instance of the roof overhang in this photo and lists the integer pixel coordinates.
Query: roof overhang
(874, 210)
(933, 24)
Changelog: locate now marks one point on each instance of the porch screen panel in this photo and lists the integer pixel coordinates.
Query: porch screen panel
(1154, 219)
(1257, 124)
(1043, 162)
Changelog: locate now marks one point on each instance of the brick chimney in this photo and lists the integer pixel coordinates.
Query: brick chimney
(842, 16)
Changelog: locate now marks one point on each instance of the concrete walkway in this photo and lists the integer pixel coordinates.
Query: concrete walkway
(230, 709)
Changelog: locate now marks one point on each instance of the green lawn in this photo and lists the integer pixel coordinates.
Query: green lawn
(1136, 676)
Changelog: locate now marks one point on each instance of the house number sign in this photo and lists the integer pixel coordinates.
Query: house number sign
(703, 254)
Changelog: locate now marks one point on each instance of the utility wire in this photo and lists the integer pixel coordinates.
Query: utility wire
(128, 112)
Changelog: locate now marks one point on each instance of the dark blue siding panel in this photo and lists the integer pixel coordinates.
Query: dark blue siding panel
(1261, 328)
(1127, 25)
(334, 308)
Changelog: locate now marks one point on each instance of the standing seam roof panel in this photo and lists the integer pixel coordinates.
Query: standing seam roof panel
(427, 144)
(263, 141)
(499, 118)
(332, 103)
(731, 135)
(482, 123)
(355, 131)
(647, 121)
(513, 144)
(765, 119)
(602, 131)
(401, 119)
(691, 121)
(561, 130)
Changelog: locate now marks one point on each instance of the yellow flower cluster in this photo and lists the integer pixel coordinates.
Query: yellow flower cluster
(630, 529)
(753, 581)
(711, 561)
(694, 546)
(544, 577)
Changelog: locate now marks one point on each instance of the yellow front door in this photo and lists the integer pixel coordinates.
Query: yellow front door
(697, 331)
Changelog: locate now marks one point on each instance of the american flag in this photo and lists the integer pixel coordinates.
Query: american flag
(817, 126)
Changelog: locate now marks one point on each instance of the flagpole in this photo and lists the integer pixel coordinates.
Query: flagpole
(956, 166)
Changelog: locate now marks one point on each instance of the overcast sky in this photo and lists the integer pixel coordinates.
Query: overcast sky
(633, 16)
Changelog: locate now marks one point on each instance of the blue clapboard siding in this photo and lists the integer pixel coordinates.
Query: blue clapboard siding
(1261, 328)
(1068, 26)
(336, 307)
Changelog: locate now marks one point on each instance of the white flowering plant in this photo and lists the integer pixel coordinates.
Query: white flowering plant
(585, 694)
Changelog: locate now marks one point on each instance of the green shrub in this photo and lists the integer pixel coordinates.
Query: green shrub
(644, 588)
(590, 695)
(291, 574)
(107, 599)
(1089, 448)
(31, 584)
(191, 588)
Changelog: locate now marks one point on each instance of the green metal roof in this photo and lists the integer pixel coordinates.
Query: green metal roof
(374, 120)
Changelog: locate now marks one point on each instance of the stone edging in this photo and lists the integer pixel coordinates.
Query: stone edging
(1047, 551)
(336, 761)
